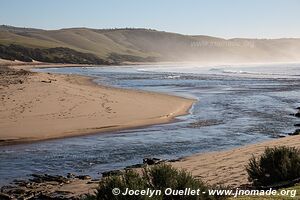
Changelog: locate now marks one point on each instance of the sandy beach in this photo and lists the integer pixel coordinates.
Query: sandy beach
(228, 167)
(38, 106)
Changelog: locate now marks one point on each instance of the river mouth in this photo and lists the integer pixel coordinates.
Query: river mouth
(235, 107)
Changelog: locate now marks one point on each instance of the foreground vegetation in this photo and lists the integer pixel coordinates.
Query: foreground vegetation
(159, 177)
(276, 168)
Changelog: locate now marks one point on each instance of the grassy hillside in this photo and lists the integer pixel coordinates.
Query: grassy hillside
(136, 45)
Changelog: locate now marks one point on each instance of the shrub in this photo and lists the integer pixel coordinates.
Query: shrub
(159, 177)
(129, 179)
(275, 165)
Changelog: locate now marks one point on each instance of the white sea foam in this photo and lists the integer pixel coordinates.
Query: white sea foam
(266, 70)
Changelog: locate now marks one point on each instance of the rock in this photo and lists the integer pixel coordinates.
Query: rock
(112, 173)
(5, 196)
(19, 191)
(281, 135)
(135, 166)
(70, 175)
(152, 161)
(297, 114)
(296, 132)
(37, 178)
(84, 177)
(29, 196)
(92, 182)
(298, 108)
(296, 124)
(21, 183)
(49, 81)
(43, 187)
(175, 160)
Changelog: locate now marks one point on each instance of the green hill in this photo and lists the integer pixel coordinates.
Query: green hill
(138, 45)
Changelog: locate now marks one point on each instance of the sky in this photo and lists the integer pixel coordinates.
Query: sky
(221, 18)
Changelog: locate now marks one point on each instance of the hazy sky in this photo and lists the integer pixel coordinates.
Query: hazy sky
(223, 18)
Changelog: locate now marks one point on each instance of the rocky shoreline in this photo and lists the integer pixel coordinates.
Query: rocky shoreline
(47, 186)
(297, 131)
(57, 187)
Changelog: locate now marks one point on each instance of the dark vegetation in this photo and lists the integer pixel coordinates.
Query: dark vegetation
(129, 58)
(276, 166)
(51, 55)
(158, 177)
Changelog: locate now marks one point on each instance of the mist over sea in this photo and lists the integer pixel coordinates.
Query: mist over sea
(236, 105)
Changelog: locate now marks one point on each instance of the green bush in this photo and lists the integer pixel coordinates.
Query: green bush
(274, 166)
(129, 179)
(159, 177)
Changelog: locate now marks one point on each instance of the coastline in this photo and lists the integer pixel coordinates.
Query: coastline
(228, 167)
(49, 106)
(221, 167)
